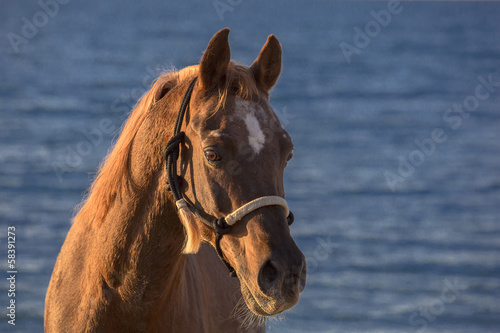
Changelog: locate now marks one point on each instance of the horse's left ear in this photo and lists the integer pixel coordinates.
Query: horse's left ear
(267, 67)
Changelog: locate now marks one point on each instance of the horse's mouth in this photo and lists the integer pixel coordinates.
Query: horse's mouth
(252, 302)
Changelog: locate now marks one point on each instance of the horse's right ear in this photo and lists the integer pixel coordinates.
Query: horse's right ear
(215, 60)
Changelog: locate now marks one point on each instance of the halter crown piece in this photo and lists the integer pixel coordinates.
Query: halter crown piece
(222, 225)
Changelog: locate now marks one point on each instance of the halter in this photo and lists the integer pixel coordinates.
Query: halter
(222, 225)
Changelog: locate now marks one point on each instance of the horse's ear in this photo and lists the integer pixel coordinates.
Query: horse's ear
(215, 60)
(267, 67)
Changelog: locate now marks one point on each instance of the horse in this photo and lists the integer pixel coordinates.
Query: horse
(146, 256)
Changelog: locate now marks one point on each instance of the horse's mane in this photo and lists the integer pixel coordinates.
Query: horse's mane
(113, 175)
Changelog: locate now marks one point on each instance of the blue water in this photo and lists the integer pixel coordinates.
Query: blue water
(381, 258)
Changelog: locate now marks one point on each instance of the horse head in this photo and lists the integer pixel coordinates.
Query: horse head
(235, 150)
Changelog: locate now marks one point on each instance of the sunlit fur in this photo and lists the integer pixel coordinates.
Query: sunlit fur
(125, 267)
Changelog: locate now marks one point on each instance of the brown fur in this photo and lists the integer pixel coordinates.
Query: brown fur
(123, 266)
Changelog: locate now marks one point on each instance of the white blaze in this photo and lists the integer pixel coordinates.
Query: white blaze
(250, 113)
(256, 137)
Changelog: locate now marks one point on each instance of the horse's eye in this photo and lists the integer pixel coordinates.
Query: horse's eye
(211, 155)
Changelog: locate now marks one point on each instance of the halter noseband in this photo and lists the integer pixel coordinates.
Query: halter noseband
(222, 225)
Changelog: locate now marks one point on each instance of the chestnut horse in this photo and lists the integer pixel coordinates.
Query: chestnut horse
(138, 259)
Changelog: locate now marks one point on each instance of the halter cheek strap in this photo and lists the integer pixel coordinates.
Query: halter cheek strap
(222, 225)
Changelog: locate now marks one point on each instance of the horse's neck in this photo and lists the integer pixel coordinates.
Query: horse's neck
(142, 225)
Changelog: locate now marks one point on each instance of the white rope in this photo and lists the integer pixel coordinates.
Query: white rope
(246, 208)
(256, 204)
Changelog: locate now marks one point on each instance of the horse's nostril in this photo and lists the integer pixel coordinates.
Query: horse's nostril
(268, 276)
